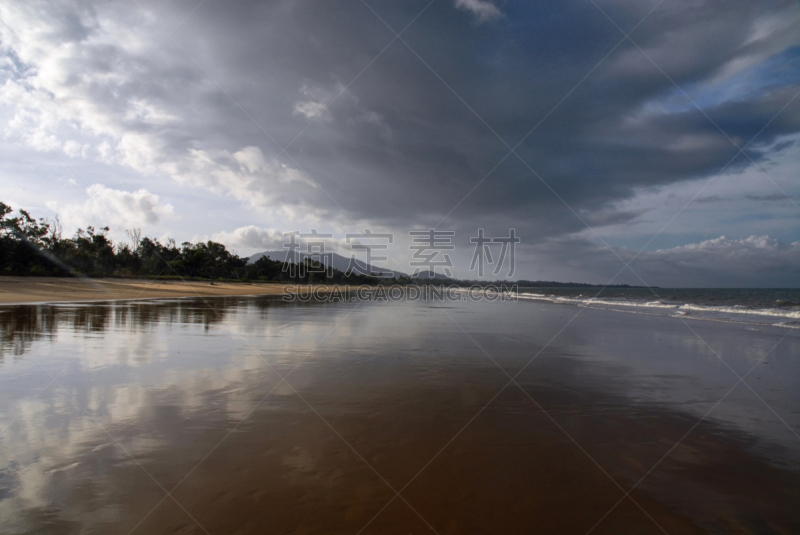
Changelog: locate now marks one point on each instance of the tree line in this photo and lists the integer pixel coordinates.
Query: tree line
(36, 247)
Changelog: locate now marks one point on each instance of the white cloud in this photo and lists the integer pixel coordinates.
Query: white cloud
(105, 152)
(105, 205)
(127, 128)
(310, 109)
(756, 260)
(316, 98)
(251, 238)
(482, 9)
(318, 101)
(73, 149)
(251, 159)
(750, 254)
(761, 261)
(142, 111)
(245, 173)
(69, 63)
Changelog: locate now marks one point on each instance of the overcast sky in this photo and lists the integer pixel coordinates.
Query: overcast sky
(664, 134)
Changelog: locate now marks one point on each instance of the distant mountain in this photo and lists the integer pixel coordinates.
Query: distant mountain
(337, 262)
(554, 284)
(431, 275)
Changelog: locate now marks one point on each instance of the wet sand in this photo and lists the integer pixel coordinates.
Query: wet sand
(15, 290)
(387, 398)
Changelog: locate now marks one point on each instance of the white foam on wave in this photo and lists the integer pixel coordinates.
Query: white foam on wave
(595, 301)
(739, 309)
(687, 309)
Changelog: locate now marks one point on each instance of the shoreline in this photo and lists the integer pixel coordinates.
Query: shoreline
(17, 290)
(34, 290)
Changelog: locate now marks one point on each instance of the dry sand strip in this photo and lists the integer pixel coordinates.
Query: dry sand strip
(15, 290)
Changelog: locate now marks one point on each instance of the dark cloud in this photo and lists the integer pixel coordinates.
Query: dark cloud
(410, 131)
(769, 198)
(425, 148)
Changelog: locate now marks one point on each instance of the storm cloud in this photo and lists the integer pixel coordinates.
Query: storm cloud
(554, 119)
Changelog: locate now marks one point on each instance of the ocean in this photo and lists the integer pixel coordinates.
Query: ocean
(771, 306)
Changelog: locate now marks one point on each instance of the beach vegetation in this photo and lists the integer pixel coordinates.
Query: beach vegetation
(30, 246)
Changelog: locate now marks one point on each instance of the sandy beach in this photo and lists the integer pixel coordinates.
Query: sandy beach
(312, 418)
(16, 290)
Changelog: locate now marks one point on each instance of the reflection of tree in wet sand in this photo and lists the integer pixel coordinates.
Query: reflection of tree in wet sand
(91, 319)
(22, 325)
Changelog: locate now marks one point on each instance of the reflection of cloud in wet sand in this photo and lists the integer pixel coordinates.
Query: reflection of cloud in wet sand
(397, 382)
